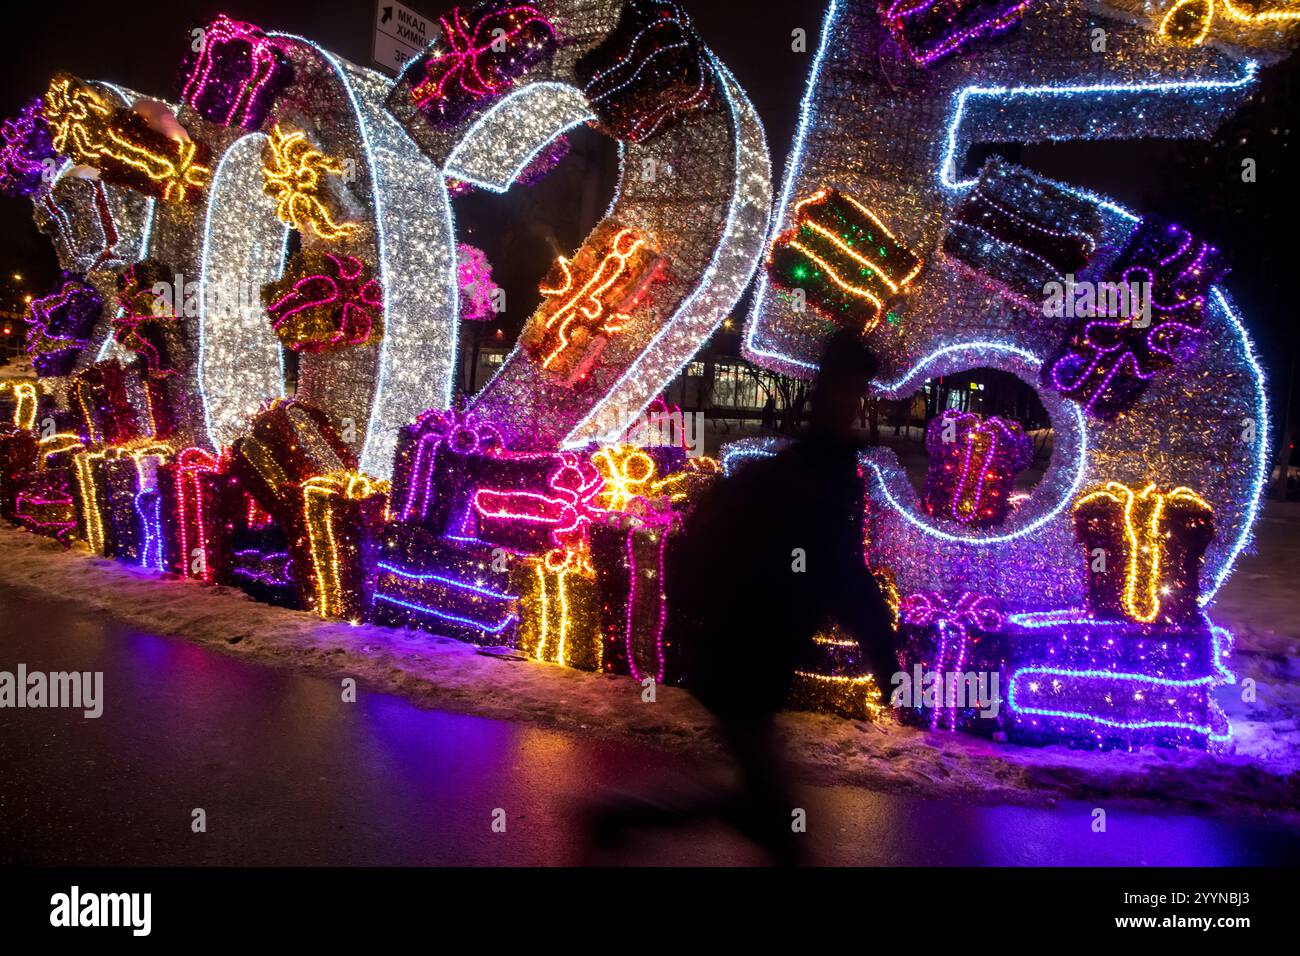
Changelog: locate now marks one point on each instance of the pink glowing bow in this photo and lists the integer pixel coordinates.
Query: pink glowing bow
(952, 617)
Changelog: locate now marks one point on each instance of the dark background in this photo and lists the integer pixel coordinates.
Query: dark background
(1197, 184)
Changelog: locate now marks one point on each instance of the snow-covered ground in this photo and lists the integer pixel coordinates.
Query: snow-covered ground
(1258, 773)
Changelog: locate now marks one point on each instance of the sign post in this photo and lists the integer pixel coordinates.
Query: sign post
(400, 34)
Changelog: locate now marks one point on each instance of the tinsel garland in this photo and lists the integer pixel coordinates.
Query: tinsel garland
(325, 302)
(235, 75)
(1143, 549)
(189, 511)
(974, 461)
(418, 471)
(844, 259)
(27, 157)
(649, 73)
(59, 324)
(482, 50)
(1108, 359)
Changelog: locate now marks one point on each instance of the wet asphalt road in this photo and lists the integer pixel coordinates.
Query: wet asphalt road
(288, 774)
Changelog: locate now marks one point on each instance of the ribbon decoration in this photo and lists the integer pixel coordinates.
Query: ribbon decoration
(952, 618)
(460, 432)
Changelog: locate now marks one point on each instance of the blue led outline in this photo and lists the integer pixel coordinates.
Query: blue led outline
(442, 579)
(947, 164)
(1080, 463)
(1105, 721)
(793, 164)
(468, 622)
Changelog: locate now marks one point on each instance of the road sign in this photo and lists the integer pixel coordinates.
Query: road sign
(400, 34)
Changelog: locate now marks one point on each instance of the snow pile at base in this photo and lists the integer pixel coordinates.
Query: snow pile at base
(1256, 774)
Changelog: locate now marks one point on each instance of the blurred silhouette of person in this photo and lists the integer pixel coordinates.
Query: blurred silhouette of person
(769, 412)
(771, 554)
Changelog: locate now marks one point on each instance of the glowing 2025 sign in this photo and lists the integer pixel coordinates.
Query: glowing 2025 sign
(358, 164)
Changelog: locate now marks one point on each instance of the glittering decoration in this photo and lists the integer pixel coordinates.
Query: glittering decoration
(928, 30)
(189, 509)
(235, 75)
(121, 143)
(27, 156)
(44, 504)
(559, 615)
(479, 55)
(1143, 550)
(474, 274)
(459, 589)
(18, 449)
(629, 556)
(416, 472)
(145, 324)
(295, 174)
(19, 403)
(92, 496)
(1106, 684)
(290, 442)
(532, 520)
(1107, 362)
(837, 680)
(1022, 230)
(973, 465)
(59, 324)
(649, 73)
(848, 264)
(343, 516)
(950, 637)
(325, 302)
(237, 354)
(100, 396)
(1265, 28)
(589, 300)
(898, 141)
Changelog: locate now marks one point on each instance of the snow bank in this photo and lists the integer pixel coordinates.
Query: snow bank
(1256, 775)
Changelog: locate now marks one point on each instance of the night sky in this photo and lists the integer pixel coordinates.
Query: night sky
(1197, 184)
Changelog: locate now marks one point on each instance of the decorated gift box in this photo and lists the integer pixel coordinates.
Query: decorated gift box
(1022, 230)
(588, 300)
(843, 260)
(106, 399)
(559, 609)
(1088, 682)
(523, 517)
(235, 75)
(129, 517)
(59, 324)
(459, 590)
(26, 152)
(21, 404)
(1149, 324)
(158, 159)
(629, 554)
(974, 461)
(649, 74)
(190, 506)
(337, 542)
(429, 484)
(18, 448)
(325, 302)
(929, 30)
(290, 442)
(91, 490)
(1143, 548)
(483, 48)
(951, 650)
